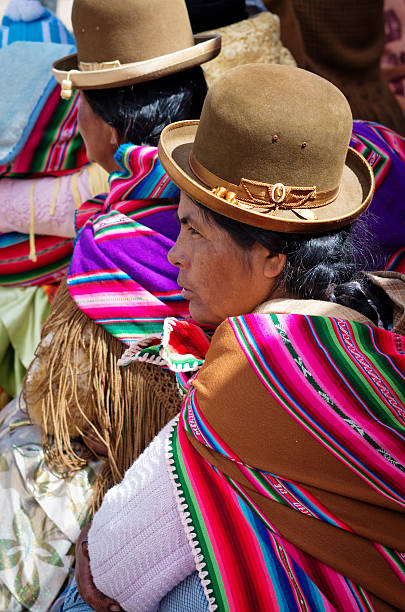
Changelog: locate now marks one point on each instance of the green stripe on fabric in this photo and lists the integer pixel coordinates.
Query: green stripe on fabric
(396, 558)
(348, 365)
(290, 571)
(381, 363)
(371, 149)
(117, 226)
(211, 566)
(324, 330)
(125, 328)
(37, 273)
(49, 137)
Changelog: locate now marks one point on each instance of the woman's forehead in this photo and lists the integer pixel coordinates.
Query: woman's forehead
(189, 209)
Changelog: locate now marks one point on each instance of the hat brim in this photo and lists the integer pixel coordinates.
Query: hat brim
(206, 47)
(355, 195)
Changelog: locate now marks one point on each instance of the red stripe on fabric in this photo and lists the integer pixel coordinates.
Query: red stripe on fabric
(49, 250)
(236, 550)
(323, 415)
(55, 150)
(23, 161)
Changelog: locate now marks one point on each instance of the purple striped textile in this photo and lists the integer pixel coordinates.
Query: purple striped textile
(119, 274)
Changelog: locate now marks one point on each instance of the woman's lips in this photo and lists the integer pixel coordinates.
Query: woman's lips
(186, 293)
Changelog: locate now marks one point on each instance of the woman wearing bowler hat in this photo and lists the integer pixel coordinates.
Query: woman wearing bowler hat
(281, 485)
(137, 68)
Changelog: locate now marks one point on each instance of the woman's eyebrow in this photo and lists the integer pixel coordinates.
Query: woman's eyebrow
(184, 220)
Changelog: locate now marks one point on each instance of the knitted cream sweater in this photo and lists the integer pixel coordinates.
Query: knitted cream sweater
(137, 545)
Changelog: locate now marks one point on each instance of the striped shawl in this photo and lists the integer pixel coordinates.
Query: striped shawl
(288, 463)
(119, 275)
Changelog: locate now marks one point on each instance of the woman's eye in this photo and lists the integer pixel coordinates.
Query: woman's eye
(192, 230)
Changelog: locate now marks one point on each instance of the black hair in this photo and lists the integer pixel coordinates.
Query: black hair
(326, 266)
(139, 112)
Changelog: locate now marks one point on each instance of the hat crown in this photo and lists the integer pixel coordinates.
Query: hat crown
(129, 30)
(274, 124)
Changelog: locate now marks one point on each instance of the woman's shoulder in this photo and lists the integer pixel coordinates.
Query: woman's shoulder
(316, 308)
(226, 341)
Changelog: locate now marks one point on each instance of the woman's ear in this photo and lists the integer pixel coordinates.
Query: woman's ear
(274, 264)
(115, 141)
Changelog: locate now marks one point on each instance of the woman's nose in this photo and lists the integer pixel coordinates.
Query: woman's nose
(173, 255)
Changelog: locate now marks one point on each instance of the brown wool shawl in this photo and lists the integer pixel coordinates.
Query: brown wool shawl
(233, 400)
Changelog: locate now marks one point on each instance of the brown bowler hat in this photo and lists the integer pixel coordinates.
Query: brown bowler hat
(271, 150)
(120, 42)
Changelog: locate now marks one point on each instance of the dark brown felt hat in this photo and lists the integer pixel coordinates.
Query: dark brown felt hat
(271, 150)
(120, 42)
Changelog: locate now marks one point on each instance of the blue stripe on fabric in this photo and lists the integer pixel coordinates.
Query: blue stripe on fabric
(11, 238)
(285, 596)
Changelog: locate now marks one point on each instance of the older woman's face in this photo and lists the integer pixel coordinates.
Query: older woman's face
(98, 136)
(218, 277)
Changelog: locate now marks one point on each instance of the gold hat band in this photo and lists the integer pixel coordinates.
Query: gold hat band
(90, 66)
(263, 195)
(67, 85)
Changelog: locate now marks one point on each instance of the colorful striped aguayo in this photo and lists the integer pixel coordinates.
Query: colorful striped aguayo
(51, 263)
(119, 275)
(384, 149)
(338, 385)
(52, 254)
(54, 146)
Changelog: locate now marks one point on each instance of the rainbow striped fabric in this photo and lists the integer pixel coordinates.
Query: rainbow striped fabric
(344, 383)
(119, 274)
(55, 146)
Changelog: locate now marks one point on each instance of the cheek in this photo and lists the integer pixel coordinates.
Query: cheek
(84, 129)
(82, 118)
(228, 286)
(217, 285)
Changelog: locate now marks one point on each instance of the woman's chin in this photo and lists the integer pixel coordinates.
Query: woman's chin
(202, 315)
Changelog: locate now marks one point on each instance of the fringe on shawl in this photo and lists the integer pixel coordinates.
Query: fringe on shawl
(74, 387)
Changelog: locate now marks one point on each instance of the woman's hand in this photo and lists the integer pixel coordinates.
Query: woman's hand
(97, 447)
(85, 585)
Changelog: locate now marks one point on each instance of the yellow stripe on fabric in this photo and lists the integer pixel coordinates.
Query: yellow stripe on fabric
(98, 180)
(75, 190)
(33, 254)
(55, 196)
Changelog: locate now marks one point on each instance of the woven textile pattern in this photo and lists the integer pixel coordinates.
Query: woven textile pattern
(129, 239)
(344, 384)
(55, 146)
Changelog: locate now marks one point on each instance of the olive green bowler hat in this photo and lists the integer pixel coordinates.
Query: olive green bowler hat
(271, 150)
(120, 42)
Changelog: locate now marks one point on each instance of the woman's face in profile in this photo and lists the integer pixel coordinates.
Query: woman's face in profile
(99, 137)
(218, 277)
